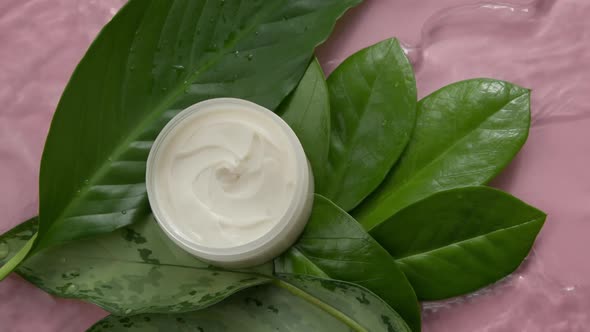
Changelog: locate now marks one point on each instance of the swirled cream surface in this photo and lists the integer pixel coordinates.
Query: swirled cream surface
(225, 176)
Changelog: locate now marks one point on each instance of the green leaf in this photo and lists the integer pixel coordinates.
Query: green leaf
(155, 58)
(130, 271)
(290, 304)
(307, 111)
(18, 257)
(335, 245)
(460, 240)
(373, 102)
(295, 262)
(15, 242)
(465, 135)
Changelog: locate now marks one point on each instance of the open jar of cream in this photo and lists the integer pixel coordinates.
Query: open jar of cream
(228, 181)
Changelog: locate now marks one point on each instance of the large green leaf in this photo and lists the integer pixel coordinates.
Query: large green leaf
(307, 111)
(373, 102)
(153, 59)
(291, 304)
(459, 240)
(132, 270)
(465, 134)
(335, 245)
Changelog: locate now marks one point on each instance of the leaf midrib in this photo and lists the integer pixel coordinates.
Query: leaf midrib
(404, 258)
(161, 107)
(343, 169)
(339, 315)
(130, 261)
(305, 257)
(311, 99)
(409, 181)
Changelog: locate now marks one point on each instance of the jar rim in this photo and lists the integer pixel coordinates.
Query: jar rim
(260, 249)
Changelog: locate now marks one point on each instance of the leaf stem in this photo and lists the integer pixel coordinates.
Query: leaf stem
(320, 304)
(17, 259)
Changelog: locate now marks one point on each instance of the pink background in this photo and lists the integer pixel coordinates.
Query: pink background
(543, 45)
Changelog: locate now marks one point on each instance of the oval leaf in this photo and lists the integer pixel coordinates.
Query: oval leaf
(291, 304)
(307, 111)
(373, 102)
(132, 270)
(335, 245)
(465, 134)
(152, 60)
(460, 240)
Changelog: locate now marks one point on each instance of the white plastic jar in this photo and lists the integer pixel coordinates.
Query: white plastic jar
(228, 181)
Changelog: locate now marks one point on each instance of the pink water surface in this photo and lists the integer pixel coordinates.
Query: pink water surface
(543, 45)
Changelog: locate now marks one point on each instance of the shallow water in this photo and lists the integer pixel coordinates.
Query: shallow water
(542, 45)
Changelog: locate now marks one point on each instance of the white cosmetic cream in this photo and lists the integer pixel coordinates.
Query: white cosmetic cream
(229, 182)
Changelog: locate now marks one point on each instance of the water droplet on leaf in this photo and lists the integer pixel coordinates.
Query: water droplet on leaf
(250, 57)
(86, 181)
(71, 288)
(124, 212)
(4, 249)
(236, 53)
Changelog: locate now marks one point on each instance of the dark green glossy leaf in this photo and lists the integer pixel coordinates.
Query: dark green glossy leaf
(459, 240)
(307, 111)
(153, 59)
(290, 304)
(335, 245)
(465, 134)
(373, 103)
(132, 270)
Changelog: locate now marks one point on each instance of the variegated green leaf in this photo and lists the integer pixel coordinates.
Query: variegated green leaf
(132, 270)
(297, 304)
